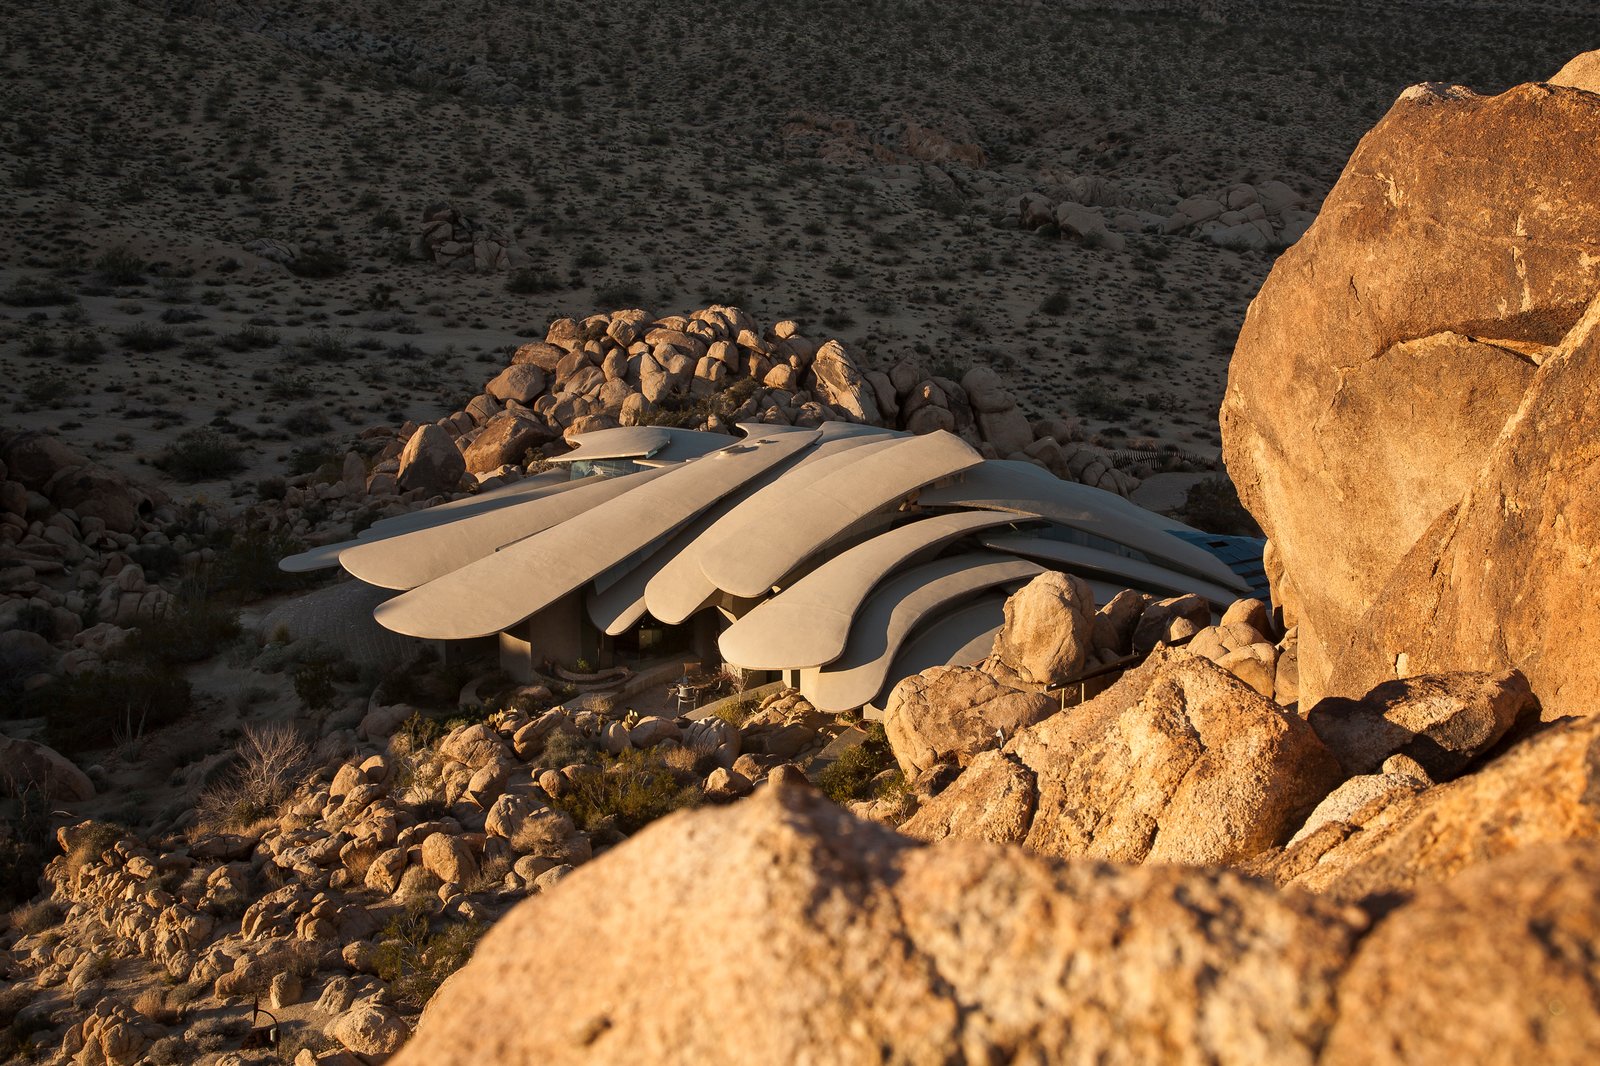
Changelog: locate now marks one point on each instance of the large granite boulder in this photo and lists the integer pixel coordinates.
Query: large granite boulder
(1506, 577)
(431, 462)
(1545, 789)
(1048, 631)
(1177, 762)
(1496, 966)
(1426, 313)
(1443, 721)
(865, 944)
(950, 713)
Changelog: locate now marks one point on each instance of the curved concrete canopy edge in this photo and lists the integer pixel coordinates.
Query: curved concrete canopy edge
(416, 558)
(892, 612)
(680, 588)
(539, 486)
(763, 544)
(507, 587)
(1133, 572)
(1007, 485)
(808, 623)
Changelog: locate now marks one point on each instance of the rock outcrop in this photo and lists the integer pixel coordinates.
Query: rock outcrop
(1177, 762)
(1546, 789)
(870, 946)
(950, 713)
(1410, 387)
(865, 941)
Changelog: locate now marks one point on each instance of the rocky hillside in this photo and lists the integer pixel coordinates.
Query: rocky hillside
(1402, 871)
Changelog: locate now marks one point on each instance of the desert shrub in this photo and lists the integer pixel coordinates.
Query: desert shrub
(249, 339)
(414, 961)
(119, 266)
(528, 282)
(191, 630)
(1213, 505)
(116, 702)
(627, 793)
(35, 916)
(200, 455)
(1093, 400)
(313, 685)
(36, 292)
(329, 346)
(850, 776)
(269, 763)
(318, 263)
(90, 844)
(48, 389)
(24, 849)
(246, 566)
(81, 349)
(1057, 303)
(618, 295)
(736, 712)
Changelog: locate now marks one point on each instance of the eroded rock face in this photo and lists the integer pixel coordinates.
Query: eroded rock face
(1545, 789)
(431, 461)
(1389, 349)
(1048, 630)
(1505, 578)
(1497, 965)
(868, 941)
(949, 713)
(1178, 762)
(1442, 721)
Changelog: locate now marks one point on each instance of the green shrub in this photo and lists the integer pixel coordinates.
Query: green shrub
(249, 339)
(313, 684)
(247, 564)
(190, 630)
(119, 266)
(32, 292)
(414, 961)
(850, 776)
(147, 338)
(528, 282)
(1213, 505)
(627, 793)
(200, 455)
(117, 702)
(329, 346)
(24, 849)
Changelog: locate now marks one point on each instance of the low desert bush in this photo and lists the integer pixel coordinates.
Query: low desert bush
(627, 793)
(1213, 505)
(25, 846)
(414, 961)
(120, 266)
(270, 762)
(318, 263)
(850, 776)
(117, 702)
(201, 455)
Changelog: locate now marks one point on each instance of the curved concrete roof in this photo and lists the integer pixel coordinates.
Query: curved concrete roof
(1006, 485)
(504, 588)
(962, 637)
(808, 624)
(680, 587)
(624, 442)
(617, 600)
(540, 486)
(892, 612)
(1119, 568)
(420, 556)
(763, 544)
